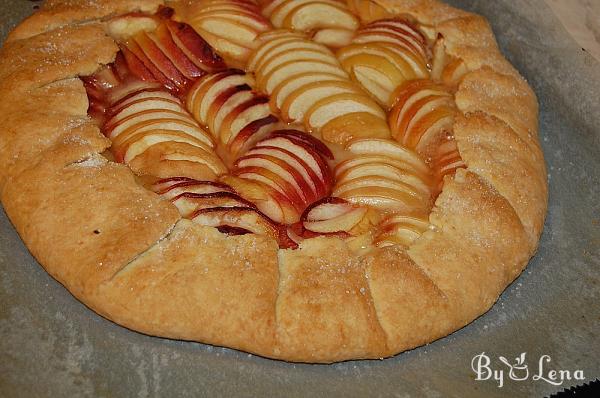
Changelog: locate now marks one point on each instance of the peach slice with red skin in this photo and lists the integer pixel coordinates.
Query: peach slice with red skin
(188, 203)
(249, 135)
(312, 142)
(307, 149)
(164, 40)
(332, 215)
(266, 173)
(244, 218)
(170, 188)
(174, 54)
(254, 109)
(292, 165)
(195, 47)
(234, 113)
(231, 27)
(159, 60)
(268, 200)
(291, 178)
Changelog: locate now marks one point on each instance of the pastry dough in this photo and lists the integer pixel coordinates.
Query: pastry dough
(128, 254)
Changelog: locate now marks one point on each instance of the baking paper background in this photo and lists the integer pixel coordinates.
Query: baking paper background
(52, 345)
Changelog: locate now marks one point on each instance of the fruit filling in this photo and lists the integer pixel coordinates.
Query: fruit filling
(290, 119)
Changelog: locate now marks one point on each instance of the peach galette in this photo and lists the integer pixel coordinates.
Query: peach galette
(306, 180)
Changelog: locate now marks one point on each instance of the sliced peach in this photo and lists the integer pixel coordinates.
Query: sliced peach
(255, 108)
(188, 203)
(351, 126)
(345, 222)
(394, 182)
(293, 83)
(278, 187)
(237, 217)
(340, 104)
(293, 68)
(169, 188)
(295, 170)
(300, 101)
(250, 134)
(268, 200)
(302, 137)
(224, 103)
(136, 144)
(158, 58)
(163, 39)
(390, 149)
(125, 120)
(243, 16)
(400, 229)
(267, 41)
(454, 72)
(280, 12)
(215, 89)
(368, 10)
(334, 37)
(320, 14)
(195, 47)
(382, 198)
(304, 54)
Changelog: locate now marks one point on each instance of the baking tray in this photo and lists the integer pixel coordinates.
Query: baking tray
(52, 345)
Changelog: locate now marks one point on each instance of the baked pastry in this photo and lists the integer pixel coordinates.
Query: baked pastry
(310, 181)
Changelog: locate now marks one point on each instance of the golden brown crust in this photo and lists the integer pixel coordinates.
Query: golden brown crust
(77, 213)
(325, 311)
(55, 14)
(198, 284)
(127, 255)
(411, 308)
(478, 245)
(496, 152)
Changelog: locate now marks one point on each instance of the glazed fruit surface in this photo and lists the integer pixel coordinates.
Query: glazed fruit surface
(286, 118)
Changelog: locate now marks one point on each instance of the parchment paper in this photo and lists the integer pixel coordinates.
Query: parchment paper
(51, 345)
